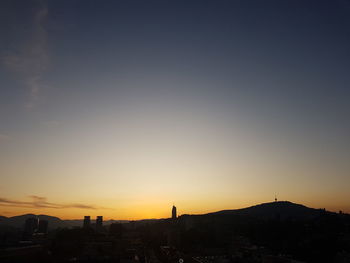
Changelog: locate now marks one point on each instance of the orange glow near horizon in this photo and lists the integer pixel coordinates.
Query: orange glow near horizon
(135, 169)
(154, 210)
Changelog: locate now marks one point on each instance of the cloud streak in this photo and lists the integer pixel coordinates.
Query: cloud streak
(30, 60)
(41, 202)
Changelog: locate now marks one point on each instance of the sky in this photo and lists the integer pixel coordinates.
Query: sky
(124, 108)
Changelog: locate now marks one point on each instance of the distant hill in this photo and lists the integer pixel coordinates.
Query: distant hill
(281, 210)
(54, 222)
(18, 221)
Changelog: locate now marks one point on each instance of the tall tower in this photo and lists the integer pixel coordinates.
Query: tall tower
(173, 212)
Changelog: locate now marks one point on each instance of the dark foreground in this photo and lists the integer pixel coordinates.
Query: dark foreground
(280, 232)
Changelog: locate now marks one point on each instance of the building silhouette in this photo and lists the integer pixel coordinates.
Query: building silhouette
(173, 231)
(30, 226)
(87, 222)
(173, 212)
(43, 226)
(99, 221)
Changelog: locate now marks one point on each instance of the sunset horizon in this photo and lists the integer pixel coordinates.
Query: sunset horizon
(122, 108)
(164, 212)
(175, 131)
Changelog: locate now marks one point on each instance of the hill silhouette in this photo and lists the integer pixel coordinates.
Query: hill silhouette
(281, 209)
(18, 221)
(54, 222)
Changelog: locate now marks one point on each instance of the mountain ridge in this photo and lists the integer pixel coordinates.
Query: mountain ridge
(280, 209)
(18, 221)
(271, 210)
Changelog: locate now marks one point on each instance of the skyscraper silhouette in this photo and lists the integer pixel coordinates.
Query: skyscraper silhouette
(173, 212)
(86, 222)
(99, 221)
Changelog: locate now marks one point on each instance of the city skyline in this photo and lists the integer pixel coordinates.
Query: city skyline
(88, 221)
(123, 108)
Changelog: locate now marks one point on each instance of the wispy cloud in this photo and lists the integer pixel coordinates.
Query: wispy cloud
(41, 202)
(30, 59)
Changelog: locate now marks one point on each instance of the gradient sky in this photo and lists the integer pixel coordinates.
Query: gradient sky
(122, 108)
